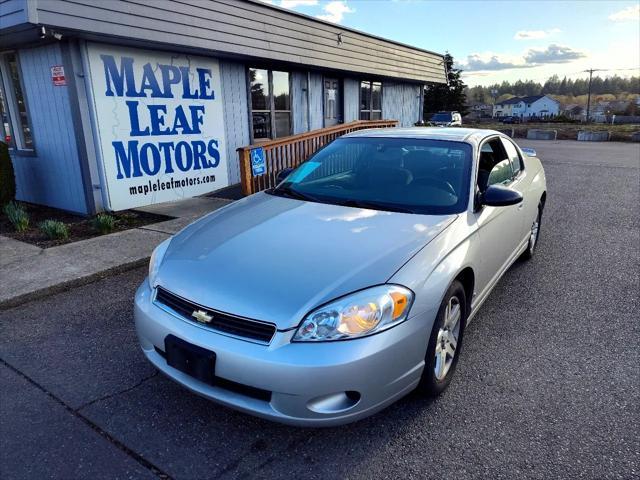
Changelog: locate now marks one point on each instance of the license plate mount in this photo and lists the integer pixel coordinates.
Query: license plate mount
(193, 360)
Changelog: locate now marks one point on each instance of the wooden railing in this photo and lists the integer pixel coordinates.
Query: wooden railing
(288, 152)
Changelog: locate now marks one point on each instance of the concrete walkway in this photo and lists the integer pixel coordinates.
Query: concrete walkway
(28, 272)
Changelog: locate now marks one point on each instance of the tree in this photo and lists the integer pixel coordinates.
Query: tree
(449, 97)
(563, 87)
(567, 87)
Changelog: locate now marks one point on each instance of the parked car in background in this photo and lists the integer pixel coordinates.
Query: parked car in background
(510, 120)
(446, 119)
(350, 284)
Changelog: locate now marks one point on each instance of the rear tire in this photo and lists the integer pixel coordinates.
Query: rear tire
(445, 343)
(534, 236)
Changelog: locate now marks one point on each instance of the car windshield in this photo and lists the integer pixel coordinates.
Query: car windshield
(441, 117)
(393, 174)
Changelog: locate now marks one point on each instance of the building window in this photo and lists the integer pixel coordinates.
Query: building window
(270, 104)
(15, 118)
(370, 100)
(5, 125)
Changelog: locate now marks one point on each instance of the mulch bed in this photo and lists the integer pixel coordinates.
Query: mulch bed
(80, 227)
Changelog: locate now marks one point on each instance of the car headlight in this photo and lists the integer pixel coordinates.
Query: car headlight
(156, 260)
(356, 315)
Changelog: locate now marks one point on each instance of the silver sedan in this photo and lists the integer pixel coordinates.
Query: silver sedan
(350, 284)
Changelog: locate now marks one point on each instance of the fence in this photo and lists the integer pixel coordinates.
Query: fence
(288, 152)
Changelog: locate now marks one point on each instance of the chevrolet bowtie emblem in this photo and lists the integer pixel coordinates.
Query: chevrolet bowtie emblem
(201, 316)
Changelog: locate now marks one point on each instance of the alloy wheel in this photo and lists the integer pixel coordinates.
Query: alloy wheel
(535, 228)
(447, 341)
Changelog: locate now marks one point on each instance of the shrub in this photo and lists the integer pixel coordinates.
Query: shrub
(17, 216)
(104, 223)
(7, 177)
(54, 229)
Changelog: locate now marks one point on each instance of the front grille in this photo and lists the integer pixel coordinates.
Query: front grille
(235, 387)
(222, 322)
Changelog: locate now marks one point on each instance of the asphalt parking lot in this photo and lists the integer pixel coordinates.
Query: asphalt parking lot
(547, 386)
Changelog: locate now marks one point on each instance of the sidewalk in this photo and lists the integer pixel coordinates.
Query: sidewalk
(28, 272)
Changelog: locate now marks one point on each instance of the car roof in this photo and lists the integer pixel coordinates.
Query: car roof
(457, 134)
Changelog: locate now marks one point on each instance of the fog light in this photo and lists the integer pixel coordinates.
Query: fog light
(334, 402)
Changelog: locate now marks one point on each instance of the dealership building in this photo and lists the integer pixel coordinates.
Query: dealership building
(109, 105)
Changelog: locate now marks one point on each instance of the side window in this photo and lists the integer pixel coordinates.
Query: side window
(494, 165)
(514, 156)
(501, 173)
(15, 119)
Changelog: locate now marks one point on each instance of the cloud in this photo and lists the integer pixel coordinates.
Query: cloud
(491, 62)
(297, 3)
(629, 13)
(334, 11)
(535, 34)
(553, 54)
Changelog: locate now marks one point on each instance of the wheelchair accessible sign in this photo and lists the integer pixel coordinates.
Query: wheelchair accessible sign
(258, 165)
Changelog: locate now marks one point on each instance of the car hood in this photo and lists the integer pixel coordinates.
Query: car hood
(274, 259)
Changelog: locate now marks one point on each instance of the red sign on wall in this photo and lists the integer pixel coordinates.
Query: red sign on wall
(57, 76)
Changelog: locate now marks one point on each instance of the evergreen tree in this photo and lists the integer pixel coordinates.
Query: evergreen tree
(449, 97)
(563, 87)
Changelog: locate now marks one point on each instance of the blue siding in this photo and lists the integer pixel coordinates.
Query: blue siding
(315, 101)
(299, 101)
(411, 105)
(401, 101)
(236, 113)
(53, 176)
(351, 100)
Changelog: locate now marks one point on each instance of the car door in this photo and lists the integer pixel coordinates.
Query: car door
(499, 228)
(522, 184)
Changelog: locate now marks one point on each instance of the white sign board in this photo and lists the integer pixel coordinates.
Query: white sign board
(57, 76)
(160, 125)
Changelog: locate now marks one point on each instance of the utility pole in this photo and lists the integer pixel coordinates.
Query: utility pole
(494, 94)
(590, 71)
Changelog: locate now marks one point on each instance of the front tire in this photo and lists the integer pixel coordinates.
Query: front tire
(445, 342)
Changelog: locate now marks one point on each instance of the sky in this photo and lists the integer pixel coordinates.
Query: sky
(492, 41)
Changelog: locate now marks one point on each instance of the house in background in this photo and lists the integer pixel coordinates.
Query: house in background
(503, 108)
(536, 106)
(574, 111)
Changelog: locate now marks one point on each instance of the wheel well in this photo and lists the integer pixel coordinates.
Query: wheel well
(467, 278)
(543, 199)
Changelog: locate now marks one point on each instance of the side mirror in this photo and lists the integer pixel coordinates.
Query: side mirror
(282, 174)
(499, 196)
(529, 152)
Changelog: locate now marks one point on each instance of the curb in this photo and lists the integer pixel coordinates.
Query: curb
(64, 286)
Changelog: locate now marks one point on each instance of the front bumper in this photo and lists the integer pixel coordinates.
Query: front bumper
(310, 384)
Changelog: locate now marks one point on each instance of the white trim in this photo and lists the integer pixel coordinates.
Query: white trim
(91, 103)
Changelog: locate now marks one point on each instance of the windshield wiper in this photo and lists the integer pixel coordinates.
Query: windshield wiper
(375, 206)
(291, 193)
